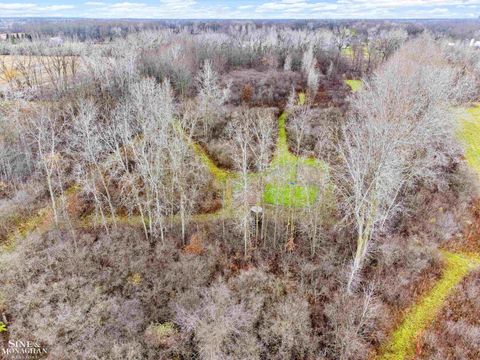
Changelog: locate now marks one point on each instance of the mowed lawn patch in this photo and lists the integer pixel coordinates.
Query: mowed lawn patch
(290, 195)
(355, 85)
(284, 188)
(349, 52)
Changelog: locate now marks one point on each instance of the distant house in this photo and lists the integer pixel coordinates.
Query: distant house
(475, 43)
(56, 41)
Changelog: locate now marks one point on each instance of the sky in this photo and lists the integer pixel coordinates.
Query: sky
(243, 9)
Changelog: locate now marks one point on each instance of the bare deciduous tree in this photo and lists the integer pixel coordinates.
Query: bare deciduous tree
(210, 97)
(88, 146)
(44, 130)
(400, 117)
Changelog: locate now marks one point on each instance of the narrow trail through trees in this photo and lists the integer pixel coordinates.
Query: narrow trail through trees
(286, 192)
(403, 341)
(284, 165)
(38, 221)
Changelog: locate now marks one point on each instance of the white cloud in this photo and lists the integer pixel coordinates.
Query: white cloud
(367, 8)
(16, 6)
(178, 3)
(30, 9)
(246, 7)
(127, 5)
(56, 7)
(177, 6)
(295, 6)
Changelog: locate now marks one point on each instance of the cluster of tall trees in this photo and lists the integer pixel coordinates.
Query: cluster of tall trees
(141, 154)
(146, 129)
(124, 137)
(399, 133)
(178, 55)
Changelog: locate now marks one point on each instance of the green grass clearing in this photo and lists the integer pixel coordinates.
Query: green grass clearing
(290, 195)
(283, 188)
(301, 98)
(219, 174)
(348, 51)
(282, 171)
(283, 156)
(282, 144)
(355, 85)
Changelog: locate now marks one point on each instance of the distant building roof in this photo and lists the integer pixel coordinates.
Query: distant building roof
(57, 40)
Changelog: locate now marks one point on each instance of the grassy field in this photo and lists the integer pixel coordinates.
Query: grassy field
(348, 52)
(284, 187)
(355, 85)
(290, 195)
(35, 70)
(9, 67)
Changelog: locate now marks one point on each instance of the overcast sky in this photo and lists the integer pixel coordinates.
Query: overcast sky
(245, 9)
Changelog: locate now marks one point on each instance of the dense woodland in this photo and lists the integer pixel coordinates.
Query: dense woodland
(217, 190)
